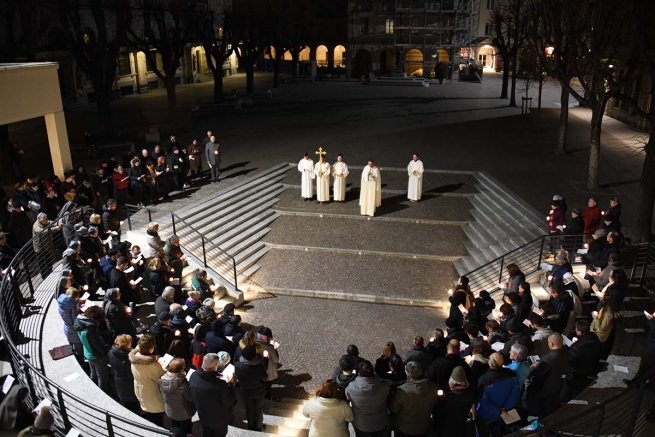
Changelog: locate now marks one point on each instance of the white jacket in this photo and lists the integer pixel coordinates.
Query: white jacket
(329, 417)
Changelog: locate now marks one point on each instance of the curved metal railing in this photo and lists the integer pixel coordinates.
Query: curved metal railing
(26, 291)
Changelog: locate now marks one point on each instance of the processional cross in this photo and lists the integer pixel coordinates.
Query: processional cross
(320, 152)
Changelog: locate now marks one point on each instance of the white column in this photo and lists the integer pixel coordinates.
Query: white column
(60, 151)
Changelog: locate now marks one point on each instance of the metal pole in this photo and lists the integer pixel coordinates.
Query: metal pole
(110, 429)
(234, 267)
(129, 218)
(599, 422)
(204, 253)
(541, 251)
(149, 214)
(62, 410)
(30, 383)
(502, 264)
(173, 219)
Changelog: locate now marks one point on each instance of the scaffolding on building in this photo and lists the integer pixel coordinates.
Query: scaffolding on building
(427, 32)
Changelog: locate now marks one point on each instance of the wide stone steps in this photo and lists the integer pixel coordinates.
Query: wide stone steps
(503, 222)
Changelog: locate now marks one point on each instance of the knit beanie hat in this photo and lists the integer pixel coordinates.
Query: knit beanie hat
(44, 420)
(249, 352)
(223, 359)
(458, 375)
(209, 302)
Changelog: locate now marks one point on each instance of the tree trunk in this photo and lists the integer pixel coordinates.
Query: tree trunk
(218, 84)
(6, 169)
(503, 91)
(170, 93)
(641, 230)
(250, 78)
(103, 102)
(541, 87)
(594, 143)
(276, 73)
(563, 121)
(512, 99)
(294, 63)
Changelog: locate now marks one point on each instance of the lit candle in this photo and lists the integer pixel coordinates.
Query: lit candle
(439, 392)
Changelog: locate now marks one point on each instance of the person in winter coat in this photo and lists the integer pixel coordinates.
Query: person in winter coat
(462, 298)
(118, 319)
(413, 402)
(216, 342)
(194, 152)
(155, 243)
(178, 402)
(498, 389)
(328, 414)
(368, 397)
(517, 335)
(544, 384)
(648, 356)
(526, 303)
(556, 224)
(455, 405)
(264, 338)
(583, 359)
(455, 331)
(419, 354)
(102, 186)
(95, 348)
(518, 363)
(120, 364)
(121, 181)
(250, 372)
(137, 182)
(603, 324)
(213, 158)
(176, 166)
(437, 345)
(346, 376)
(382, 363)
(20, 225)
(234, 330)
(158, 279)
(575, 227)
(479, 362)
(193, 304)
(591, 216)
(110, 219)
(69, 309)
(174, 256)
(563, 303)
(147, 371)
(516, 277)
(117, 279)
(442, 367)
(162, 333)
(166, 182)
(214, 397)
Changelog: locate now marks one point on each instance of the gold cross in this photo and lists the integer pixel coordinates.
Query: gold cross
(320, 152)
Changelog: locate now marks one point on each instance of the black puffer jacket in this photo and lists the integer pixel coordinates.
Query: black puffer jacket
(110, 219)
(120, 364)
(251, 375)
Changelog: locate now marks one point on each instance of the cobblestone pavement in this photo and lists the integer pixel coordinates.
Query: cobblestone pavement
(384, 236)
(366, 274)
(393, 206)
(315, 333)
(397, 180)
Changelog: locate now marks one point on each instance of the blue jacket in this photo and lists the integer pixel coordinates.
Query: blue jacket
(107, 265)
(559, 272)
(68, 310)
(497, 388)
(522, 370)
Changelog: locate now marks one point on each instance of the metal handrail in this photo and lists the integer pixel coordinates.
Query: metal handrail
(133, 209)
(21, 276)
(528, 257)
(213, 246)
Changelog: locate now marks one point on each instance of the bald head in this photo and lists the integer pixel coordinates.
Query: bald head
(453, 346)
(496, 360)
(555, 341)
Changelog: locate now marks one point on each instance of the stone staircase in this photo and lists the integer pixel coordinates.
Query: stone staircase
(202, 78)
(502, 223)
(234, 221)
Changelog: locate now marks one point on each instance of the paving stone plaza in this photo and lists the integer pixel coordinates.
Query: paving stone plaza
(322, 276)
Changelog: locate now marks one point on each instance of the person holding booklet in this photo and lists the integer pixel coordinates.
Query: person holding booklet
(178, 402)
(250, 372)
(498, 393)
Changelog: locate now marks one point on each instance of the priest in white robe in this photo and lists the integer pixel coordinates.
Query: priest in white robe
(339, 173)
(306, 167)
(371, 192)
(322, 173)
(415, 172)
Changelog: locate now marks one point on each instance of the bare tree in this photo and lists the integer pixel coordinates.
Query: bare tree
(509, 20)
(164, 28)
(96, 31)
(276, 45)
(249, 39)
(214, 32)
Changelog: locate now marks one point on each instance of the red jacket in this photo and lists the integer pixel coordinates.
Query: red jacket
(556, 219)
(118, 183)
(591, 217)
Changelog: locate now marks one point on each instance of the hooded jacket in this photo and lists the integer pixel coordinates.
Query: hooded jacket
(178, 402)
(87, 330)
(120, 364)
(69, 310)
(368, 396)
(251, 375)
(497, 388)
(147, 371)
(412, 406)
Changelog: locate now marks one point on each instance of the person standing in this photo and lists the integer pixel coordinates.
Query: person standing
(455, 405)
(415, 172)
(20, 225)
(123, 378)
(194, 152)
(412, 404)
(147, 371)
(328, 414)
(69, 308)
(87, 326)
(120, 181)
(339, 173)
(306, 167)
(137, 182)
(371, 189)
(322, 174)
(101, 185)
(42, 243)
(178, 402)
(368, 396)
(213, 156)
(177, 167)
(213, 396)
(591, 216)
(251, 375)
(498, 391)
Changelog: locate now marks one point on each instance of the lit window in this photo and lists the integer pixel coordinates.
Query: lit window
(124, 67)
(389, 26)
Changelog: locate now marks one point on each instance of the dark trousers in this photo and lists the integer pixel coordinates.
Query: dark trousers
(156, 418)
(132, 406)
(359, 433)
(493, 428)
(254, 412)
(138, 193)
(606, 347)
(183, 424)
(215, 172)
(214, 432)
(179, 181)
(120, 195)
(100, 373)
(45, 263)
(397, 433)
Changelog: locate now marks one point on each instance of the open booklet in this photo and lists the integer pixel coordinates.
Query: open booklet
(510, 417)
(227, 373)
